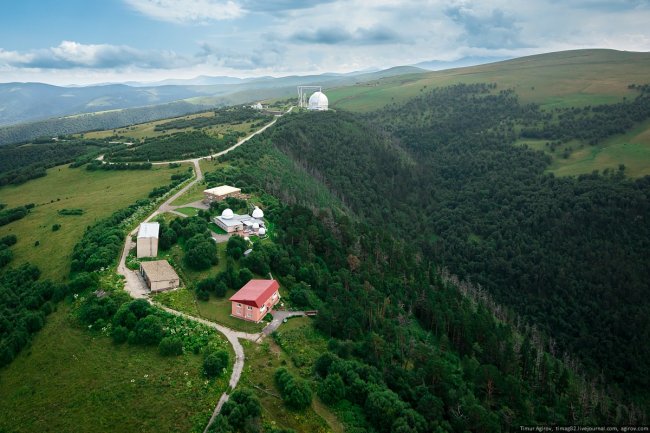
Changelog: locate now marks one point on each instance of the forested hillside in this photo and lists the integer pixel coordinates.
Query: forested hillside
(567, 254)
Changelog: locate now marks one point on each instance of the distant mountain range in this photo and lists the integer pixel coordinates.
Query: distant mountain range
(439, 65)
(31, 110)
(29, 102)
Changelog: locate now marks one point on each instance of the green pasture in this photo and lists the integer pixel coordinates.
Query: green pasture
(98, 193)
(263, 359)
(75, 380)
(631, 149)
(568, 78)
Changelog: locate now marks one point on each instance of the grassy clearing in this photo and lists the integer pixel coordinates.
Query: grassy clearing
(72, 380)
(98, 193)
(216, 309)
(195, 193)
(264, 359)
(189, 211)
(631, 149)
(302, 342)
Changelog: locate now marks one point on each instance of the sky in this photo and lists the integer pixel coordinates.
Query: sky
(85, 41)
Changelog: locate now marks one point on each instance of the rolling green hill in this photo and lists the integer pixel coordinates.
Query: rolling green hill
(566, 78)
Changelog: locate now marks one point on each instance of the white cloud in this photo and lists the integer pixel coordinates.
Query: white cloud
(188, 11)
(280, 37)
(71, 55)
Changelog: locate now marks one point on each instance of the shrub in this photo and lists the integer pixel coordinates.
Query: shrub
(125, 318)
(167, 239)
(5, 256)
(220, 289)
(8, 240)
(332, 389)
(323, 363)
(170, 346)
(202, 295)
(56, 227)
(149, 331)
(244, 276)
(235, 247)
(140, 307)
(214, 363)
(119, 334)
(242, 407)
(200, 252)
(295, 393)
(94, 309)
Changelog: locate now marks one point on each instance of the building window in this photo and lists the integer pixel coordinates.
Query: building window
(249, 308)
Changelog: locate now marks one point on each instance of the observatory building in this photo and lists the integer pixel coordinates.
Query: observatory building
(243, 225)
(318, 102)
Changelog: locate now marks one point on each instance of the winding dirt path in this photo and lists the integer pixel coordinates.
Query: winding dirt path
(136, 287)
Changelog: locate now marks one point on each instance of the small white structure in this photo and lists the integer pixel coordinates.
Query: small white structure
(261, 232)
(257, 213)
(159, 275)
(318, 102)
(147, 245)
(221, 192)
(257, 106)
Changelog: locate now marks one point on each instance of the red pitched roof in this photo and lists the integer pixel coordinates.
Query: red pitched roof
(256, 292)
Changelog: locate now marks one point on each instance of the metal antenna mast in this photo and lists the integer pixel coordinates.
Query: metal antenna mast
(302, 94)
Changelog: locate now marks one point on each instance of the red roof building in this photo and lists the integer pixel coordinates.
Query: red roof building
(254, 300)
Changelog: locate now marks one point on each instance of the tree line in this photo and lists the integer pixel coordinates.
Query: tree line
(181, 145)
(222, 116)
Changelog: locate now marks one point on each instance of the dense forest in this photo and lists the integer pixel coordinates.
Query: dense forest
(409, 352)
(567, 254)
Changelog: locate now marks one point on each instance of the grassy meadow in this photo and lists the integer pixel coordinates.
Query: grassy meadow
(99, 193)
(74, 380)
(568, 78)
(631, 149)
(262, 361)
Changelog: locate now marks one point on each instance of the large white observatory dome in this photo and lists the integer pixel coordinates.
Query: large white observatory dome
(257, 213)
(318, 101)
(227, 214)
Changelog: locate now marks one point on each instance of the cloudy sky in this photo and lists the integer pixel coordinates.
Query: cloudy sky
(87, 41)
